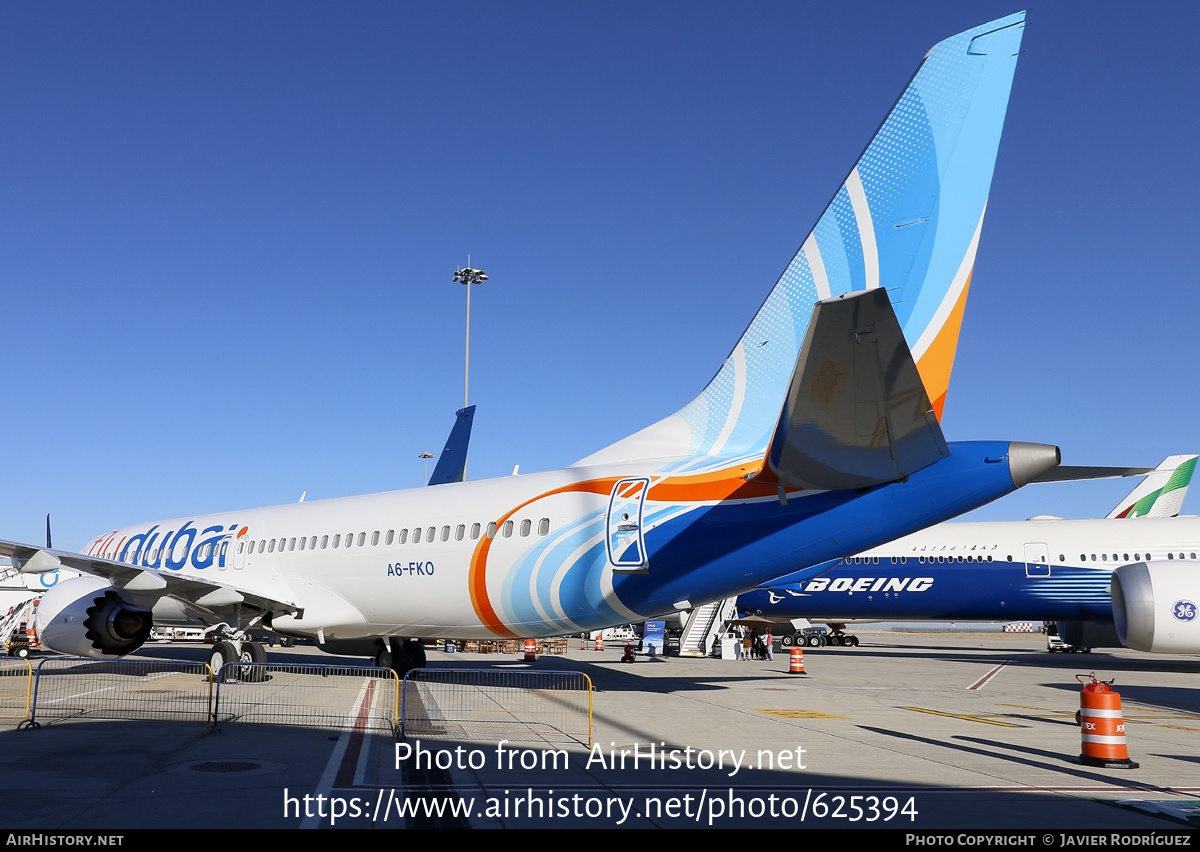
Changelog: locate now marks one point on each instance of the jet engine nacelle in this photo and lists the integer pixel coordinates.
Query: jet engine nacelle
(1155, 606)
(86, 617)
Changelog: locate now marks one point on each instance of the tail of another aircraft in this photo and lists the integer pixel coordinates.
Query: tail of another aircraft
(1161, 493)
(907, 219)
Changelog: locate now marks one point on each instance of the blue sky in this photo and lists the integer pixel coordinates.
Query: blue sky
(228, 234)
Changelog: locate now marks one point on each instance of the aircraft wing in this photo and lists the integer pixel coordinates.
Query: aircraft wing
(856, 412)
(31, 559)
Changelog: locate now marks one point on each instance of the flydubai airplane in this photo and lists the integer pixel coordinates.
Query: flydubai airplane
(1137, 571)
(818, 437)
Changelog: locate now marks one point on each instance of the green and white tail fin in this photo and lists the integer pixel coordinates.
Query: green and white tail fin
(1161, 493)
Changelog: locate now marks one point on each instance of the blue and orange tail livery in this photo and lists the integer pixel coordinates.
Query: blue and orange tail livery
(907, 219)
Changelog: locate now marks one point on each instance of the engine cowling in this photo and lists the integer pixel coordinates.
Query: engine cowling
(87, 617)
(1155, 606)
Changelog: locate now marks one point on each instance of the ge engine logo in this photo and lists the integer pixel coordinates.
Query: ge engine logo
(1184, 611)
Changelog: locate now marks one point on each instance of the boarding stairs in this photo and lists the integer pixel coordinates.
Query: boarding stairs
(19, 614)
(704, 623)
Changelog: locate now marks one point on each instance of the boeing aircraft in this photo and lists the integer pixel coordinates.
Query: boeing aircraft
(1136, 572)
(818, 437)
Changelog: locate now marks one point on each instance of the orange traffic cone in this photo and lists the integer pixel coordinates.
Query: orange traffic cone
(530, 650)
(599, 643)
(1102, 725)
(797, 661)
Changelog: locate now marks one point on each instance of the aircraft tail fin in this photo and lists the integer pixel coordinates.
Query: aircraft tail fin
(856, 412)
(1161, 493)
(906, 220)
(452, 464)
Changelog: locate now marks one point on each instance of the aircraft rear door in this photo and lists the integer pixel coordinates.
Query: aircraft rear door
(623, 533)
(1037, 559)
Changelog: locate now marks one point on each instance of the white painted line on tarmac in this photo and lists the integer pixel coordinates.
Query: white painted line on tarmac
(325, 785)
(982, 682)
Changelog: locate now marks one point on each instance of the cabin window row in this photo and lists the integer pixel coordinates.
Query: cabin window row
(415, 535)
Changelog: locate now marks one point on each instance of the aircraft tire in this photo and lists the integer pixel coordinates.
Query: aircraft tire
(786, 641)
(222, 652)
(417, 650)
(814, 641)
(853, 641)
(253, 652)
(402, 658)
(383, 659)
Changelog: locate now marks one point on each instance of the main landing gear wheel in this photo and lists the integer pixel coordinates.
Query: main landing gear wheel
(813, 641)
(383, 658)
(402, 657)
(786, 641)
(417, 651)
(222, 652)
(252, 652)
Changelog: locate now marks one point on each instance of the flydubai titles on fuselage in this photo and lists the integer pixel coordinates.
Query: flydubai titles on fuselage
(172, 549)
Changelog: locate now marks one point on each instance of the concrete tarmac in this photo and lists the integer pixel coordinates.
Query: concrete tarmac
(907, 731)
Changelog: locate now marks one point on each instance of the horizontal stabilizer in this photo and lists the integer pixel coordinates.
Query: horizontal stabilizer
(856, 412)
(1071, 473)
(452, 464)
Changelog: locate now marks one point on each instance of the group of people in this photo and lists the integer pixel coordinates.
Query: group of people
(752, 644)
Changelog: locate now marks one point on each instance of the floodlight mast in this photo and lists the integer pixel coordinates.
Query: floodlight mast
(468, 276)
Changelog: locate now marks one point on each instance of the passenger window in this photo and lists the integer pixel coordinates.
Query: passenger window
(446, 533)
(474, 531)
(292, 544)
(491, 530)
(390, 535)
(324, 541)
(459, 532)
(416, 535)
(303, 541)
(403, 536)
(362, 538)
(526, 525)
(375, 538)
(508, 528)
(271, 546)
(337, 540)
(429, 533)
(241, 546)
(543, 526)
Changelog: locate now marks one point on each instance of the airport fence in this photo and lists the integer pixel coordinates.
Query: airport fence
(170, 690)
(16, 690)
(361, 698)
(519, 706)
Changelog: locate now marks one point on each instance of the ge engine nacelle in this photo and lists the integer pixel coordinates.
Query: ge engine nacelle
(1154, 606)
(86, 617)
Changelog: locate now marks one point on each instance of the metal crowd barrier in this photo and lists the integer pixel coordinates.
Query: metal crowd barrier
(519, 706)
(173, 690)
(361, 698)
(16, 689)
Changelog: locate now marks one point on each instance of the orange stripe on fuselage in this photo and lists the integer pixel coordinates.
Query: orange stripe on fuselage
(712, 487)
(477, 578)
